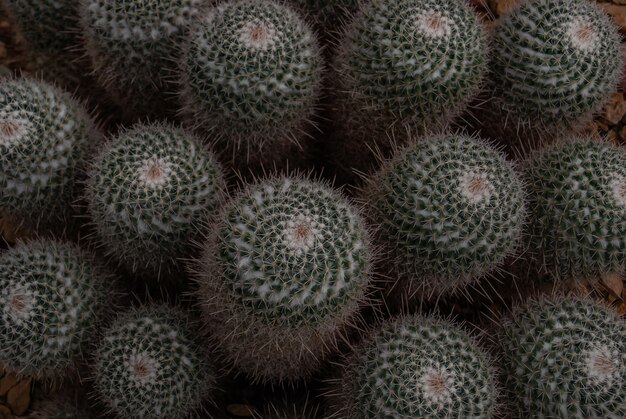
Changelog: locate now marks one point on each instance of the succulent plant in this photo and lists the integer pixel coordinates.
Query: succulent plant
(45, 138)
(150, 364)
(577, 201)
(565, 357)
(450, 210)
(285, 270)
(52, 295)
(417, 366)
(134, 47)
(555, 62)
(150, 193)
(251, 78)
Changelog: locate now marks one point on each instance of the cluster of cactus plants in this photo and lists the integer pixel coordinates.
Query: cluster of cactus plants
(276, 276)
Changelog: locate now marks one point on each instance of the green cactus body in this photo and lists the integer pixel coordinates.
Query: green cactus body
(45, 138)
(577, 199)
(450, 210)
(149, 364)
(285, 271)
(555, 62)
(418, 367)
(252, 77)
(565, 357)
(150, 193)
(52, 295)
(134, 46)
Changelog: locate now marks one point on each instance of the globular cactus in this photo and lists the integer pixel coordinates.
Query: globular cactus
(285, 270)
(52, 296)
(418, 367)
(150, 193)
(565, 357)
(450, 210)
(555, 62)
(134, 47)
(402, 65)
(45, 138)
(150, 364)
(577, 201)
(251, 79)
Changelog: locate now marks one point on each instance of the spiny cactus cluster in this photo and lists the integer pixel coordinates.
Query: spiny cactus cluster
(565, 357)
(150, 193)
(285, 270)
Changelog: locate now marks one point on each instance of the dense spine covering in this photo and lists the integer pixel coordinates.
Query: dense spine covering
(450, 210)
(577, 201)
(285, 270)
(52, 295)
(555, 62)
(134, 47)
(418, 367)
(45, 138)
(150, 193)
(251, 78)
(565, 357)
(150, 364)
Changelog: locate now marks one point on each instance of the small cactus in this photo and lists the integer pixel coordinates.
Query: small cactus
(555, 62)
(52, 295)
(565, 357)
(251, 78)
(418, 367)
(450, 210)
(134, 47)
(149, 364)
(150, 193)
(45, 138)
(285, 270)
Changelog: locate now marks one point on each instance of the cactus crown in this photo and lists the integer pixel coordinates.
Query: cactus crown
(255, 67)
(454, 208)
(149, 363)
(150, 192)
(418, 366)
(293, 251)
(556, 60)
(413, 60)
(51, 294)
(580, 184)
(44, 140)
(565, 357)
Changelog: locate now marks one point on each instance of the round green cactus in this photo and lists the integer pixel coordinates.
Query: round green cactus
(45, 138)
(285, 270)
(150, 364)
(565, 357)
(52, 295)
(450, 210)
(252, 76)
(150, 193)
(134, 46)
(555, 62)
(417, 366)
(577, 200)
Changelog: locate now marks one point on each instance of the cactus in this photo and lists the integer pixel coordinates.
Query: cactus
(134, 46)
(45, 138)
(450, 210)
(150, 193)
(52, 294)
(417, 366)
(555, 63)
(150, 364)
(577, 199)
(565, 357)
(65, 404)
(285, 270)
(251, 78)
